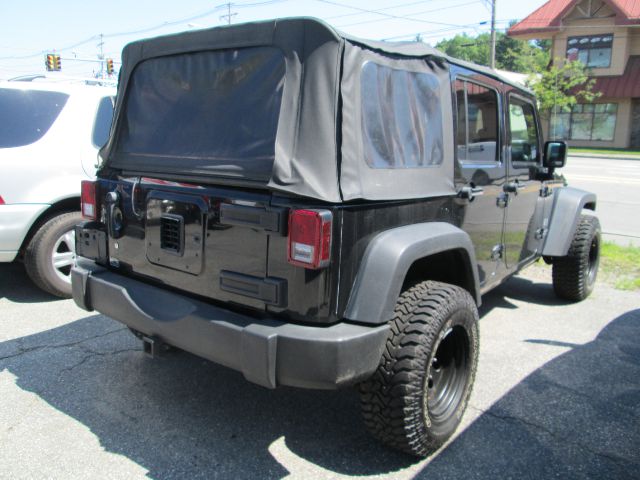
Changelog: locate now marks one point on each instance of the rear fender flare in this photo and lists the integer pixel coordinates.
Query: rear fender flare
(387, 260)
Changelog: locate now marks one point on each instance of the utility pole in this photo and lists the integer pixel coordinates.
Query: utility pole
(101, 56)
(229, 14)
(492, 62)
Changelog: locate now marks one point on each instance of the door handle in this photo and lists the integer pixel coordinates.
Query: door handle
(469, 192)
(513, 187)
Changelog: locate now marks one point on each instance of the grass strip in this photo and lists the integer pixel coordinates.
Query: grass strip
(620, 266)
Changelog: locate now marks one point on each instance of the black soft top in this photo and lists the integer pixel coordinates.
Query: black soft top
(326, 147)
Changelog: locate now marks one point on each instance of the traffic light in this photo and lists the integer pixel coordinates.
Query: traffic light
(48, 61)
(52, 62)
(110, 66)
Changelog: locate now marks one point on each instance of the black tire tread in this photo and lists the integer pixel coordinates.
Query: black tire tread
(391, 399)
(34, 261)
(570, 273)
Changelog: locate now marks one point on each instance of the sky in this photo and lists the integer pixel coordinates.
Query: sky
(31, 28)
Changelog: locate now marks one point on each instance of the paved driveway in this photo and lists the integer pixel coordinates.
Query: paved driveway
(557, 395)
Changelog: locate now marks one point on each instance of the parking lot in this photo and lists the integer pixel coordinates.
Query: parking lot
(557, 395)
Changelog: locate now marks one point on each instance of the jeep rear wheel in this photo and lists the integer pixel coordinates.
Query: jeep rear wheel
(416, 398)
(574, 275)
(50, 254)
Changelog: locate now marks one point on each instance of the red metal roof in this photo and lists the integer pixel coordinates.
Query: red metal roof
(549, 16)
(621, 86)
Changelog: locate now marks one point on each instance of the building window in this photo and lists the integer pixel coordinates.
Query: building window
(596, 122)
(592, 50)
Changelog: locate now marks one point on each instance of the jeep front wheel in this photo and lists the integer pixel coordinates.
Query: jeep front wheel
(50, 254)
(416, 398)
(574, 275)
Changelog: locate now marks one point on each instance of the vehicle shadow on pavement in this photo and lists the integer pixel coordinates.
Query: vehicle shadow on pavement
(16, 286)
(521, 289)
(182, 417)
(578, 416)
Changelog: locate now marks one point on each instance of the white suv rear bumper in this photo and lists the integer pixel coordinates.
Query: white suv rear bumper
(15, 222)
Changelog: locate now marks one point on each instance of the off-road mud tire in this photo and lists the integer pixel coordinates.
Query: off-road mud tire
(429, 318)
(574, 275)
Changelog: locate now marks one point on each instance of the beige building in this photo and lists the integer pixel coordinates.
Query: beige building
(605, 36)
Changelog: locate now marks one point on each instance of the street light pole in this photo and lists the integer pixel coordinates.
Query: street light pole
(492, 62)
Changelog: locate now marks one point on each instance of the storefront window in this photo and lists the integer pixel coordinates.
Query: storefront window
(594, 122)
(593, 50)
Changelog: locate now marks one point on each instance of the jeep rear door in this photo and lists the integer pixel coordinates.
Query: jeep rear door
(482, 173)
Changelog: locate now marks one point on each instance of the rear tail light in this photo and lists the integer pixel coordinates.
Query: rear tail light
(310, 238)
(88, 200)
(1, 200)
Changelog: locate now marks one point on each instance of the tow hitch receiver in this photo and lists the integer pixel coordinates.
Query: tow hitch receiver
(152, 346)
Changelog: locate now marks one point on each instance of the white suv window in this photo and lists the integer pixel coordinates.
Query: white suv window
(103, 122)
(26, 115)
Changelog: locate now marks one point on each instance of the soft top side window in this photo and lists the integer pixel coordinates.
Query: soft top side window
(401, 118)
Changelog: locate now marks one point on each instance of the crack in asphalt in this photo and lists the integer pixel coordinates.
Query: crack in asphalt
(25, 350)
(621, 461)
(93, 353)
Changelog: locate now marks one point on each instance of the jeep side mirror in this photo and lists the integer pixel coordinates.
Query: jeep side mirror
(555, 154)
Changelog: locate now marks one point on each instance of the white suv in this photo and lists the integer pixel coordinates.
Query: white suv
(50, 133)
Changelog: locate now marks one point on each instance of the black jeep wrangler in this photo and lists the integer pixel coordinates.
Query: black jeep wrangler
(318, 211)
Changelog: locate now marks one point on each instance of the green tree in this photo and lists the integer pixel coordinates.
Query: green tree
(561, 86)
(465, 47)
(511, 54)
(520, 55)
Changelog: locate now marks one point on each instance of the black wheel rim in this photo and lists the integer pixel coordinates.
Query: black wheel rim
(447, 375)
(594, 259)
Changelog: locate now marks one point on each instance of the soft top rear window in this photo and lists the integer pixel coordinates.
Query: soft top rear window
(213, 112)
(26, 115)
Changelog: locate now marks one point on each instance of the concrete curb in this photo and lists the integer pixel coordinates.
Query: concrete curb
(604, 156)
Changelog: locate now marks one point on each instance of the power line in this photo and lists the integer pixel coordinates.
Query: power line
(148, 29)
(433, 33)
(388, 15)
(416, 13)
(355, 14)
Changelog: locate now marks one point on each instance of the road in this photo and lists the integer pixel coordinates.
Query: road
(617, 184)
(556, 395)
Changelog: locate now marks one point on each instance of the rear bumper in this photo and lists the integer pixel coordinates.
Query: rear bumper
(268, 352)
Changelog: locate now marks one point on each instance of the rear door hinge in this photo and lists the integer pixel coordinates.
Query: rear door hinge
(541, 233)
(497, 252)
(502, 200)
(545, 191)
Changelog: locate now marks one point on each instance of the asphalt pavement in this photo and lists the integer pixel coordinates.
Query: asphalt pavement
(616, 182)
(557, 395)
